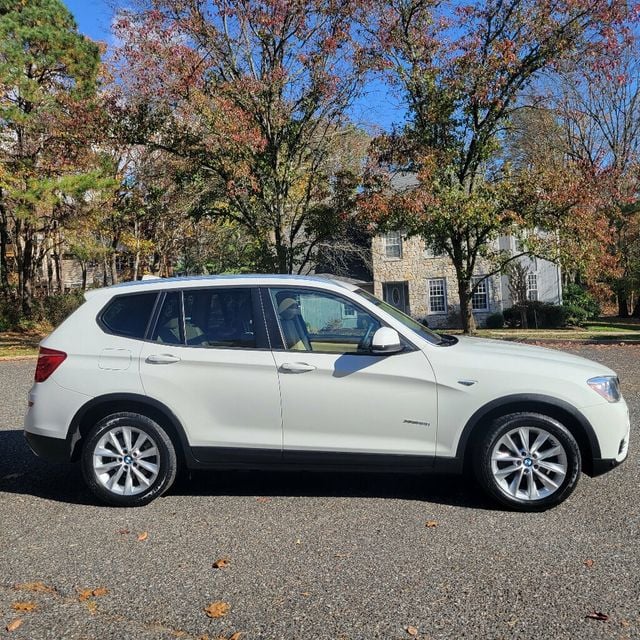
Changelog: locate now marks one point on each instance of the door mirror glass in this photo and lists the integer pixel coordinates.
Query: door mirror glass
(386, 341)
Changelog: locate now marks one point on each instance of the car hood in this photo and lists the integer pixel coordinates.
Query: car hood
(529, 356)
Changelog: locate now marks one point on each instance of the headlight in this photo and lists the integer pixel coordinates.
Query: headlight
(607, 386)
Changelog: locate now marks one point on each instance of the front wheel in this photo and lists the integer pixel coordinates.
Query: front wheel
(128, 460)
(528, 461)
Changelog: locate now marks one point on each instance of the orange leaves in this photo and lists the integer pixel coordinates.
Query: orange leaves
(85, 594)
(412, 631)
(221, 563)
(24, 607)
(14, 624)
(142, 536)
(431, 524)
(35, 587)
(217, 609)
(588, 563)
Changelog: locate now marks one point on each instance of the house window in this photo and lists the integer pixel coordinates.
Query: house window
(438, 295)
(532, 286)
(480, 297)
(393, 244)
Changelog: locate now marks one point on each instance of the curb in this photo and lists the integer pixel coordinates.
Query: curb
(18, 358)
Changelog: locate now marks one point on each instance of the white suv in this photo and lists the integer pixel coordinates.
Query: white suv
(291, 372)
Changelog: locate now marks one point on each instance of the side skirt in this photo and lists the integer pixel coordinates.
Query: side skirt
(247, 458)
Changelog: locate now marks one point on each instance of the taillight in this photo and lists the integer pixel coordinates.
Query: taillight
(48, 361)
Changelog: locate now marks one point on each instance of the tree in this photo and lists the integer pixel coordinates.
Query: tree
(254, 95)
(463, 71)
(47, 73)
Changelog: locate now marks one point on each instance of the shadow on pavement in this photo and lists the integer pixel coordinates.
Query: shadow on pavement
(21, 472)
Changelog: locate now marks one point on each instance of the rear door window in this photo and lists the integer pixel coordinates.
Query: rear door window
(128, 315)
(219, 317)
(169, 329)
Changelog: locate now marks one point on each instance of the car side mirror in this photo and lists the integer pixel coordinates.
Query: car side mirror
(386, 341)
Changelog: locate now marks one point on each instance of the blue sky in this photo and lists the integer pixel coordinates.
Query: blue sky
(377, 108)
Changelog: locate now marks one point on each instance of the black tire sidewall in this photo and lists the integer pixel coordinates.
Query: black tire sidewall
(500, 426)
(168, 460)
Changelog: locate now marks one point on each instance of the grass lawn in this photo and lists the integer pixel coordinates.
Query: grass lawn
(19, 343)
(600, 330)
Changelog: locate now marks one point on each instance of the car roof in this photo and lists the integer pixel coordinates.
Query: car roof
(153, 283)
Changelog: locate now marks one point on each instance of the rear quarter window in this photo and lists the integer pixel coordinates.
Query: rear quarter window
(128, 315)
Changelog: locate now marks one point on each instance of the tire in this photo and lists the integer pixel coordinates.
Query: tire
(134, 448)
(528, 462)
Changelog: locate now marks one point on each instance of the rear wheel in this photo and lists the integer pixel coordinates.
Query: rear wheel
(128, 460)
(528, 461)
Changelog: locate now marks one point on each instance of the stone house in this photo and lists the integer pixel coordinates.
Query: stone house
(409, 276)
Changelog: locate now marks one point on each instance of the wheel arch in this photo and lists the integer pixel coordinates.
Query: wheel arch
(560, 410)
(101, 406)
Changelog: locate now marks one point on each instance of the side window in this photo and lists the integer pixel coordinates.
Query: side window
(128, 315)
(219, 317)
(169, 325)
(323, 322)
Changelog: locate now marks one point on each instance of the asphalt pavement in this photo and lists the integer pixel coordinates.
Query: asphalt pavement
(314, 556)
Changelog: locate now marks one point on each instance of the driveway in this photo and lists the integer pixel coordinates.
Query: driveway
(332, 556)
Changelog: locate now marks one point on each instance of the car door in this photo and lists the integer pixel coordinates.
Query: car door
(208, 360)
(338, 397)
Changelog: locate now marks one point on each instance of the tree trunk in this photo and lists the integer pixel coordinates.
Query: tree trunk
(636, 309)
(466, 311)
(4, 261)
(114, 268)
(623, 306)
(83, 267)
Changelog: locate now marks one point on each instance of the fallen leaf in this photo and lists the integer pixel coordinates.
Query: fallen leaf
(597, 615)
(14, 624)
(412, 631)
(24, 606)
(142, 536)
(625, 623)
(221, 563)
(298, 541)
(100, 591)
(235, 636)
(92, 607)
(38, 587)
(306, 594)
(431, 524)
(263, 500)
(217, 609)
(588, 563)
(84, 594)
(123, 532)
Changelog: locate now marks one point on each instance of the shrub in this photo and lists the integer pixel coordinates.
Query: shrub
(575, 316)
(541, 315)
(576, 297)
(59, 306)
(495, 321)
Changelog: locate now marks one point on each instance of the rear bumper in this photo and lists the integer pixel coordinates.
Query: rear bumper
(602, 465)
(52, 449)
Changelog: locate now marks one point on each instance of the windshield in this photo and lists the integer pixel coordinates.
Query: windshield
(407, 321)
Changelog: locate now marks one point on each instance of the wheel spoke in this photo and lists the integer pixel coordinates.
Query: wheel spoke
(505, 471)
(113, 480)
(149, 466)
(510, 444)
(148, 453)
(499, 456)
(102, 468)
(532, 489)
(514, 485)
(523, 432)
(141, 477)
(552, 466)
(126, 436)
(141, 439)
(546, 480)
(114, 441)
(102, 452)
(128, 483)
(543, 436)
(550, 453)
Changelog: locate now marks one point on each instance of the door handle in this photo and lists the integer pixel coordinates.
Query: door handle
(296, 367)
(162, 358)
